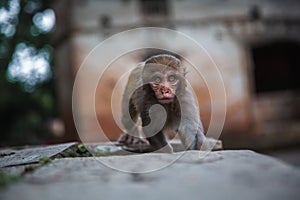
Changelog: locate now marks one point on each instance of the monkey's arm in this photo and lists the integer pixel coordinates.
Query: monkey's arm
(129, 101)
(130, 111)
(190, 130)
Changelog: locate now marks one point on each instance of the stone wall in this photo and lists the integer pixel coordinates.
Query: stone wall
(228, 30)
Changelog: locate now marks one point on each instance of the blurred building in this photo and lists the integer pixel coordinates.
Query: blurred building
(255, 44)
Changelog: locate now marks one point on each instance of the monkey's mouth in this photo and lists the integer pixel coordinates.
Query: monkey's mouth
(165, 100)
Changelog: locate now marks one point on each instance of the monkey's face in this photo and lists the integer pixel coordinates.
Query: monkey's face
(165, 81)
(164, 85)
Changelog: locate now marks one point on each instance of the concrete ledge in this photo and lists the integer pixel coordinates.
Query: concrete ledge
(218, 175)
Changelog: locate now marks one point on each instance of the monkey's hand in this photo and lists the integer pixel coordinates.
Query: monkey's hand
(212, 144)
(134, 144)
(127, 139)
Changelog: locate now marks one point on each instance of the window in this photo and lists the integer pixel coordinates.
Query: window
(277, 67)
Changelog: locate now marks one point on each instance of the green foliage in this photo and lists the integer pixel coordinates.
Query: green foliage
(31, 168)
(44, 160)
(6, 179)
(24, 114)
(83, 151)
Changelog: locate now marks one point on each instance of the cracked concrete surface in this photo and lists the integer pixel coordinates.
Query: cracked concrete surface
(218, 175)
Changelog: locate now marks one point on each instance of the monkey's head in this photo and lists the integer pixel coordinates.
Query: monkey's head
(165, 76)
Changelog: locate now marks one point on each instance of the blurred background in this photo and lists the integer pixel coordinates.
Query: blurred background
(255, 44)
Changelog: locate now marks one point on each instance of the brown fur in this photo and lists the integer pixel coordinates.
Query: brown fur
(182, 112)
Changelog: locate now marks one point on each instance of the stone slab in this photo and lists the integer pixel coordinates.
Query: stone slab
(219, 175)
(11, 157)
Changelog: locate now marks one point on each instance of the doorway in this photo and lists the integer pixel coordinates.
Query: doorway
(276, 69)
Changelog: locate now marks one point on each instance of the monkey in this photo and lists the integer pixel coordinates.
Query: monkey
(160, 80)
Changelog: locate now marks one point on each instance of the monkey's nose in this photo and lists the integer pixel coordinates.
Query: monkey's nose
(166, 92)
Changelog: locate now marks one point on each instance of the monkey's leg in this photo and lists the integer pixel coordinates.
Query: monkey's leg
(160, 143)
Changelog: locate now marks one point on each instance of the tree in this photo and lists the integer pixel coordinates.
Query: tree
(27, 96)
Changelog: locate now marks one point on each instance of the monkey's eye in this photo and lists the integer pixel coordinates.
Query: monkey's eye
(172, 78)
(157, 79)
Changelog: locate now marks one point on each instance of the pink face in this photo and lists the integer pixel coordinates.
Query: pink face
(164, 86)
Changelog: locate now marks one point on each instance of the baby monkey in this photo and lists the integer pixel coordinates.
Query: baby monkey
(157, 93)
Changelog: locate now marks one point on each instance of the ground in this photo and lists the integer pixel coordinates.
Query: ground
(227, 174)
